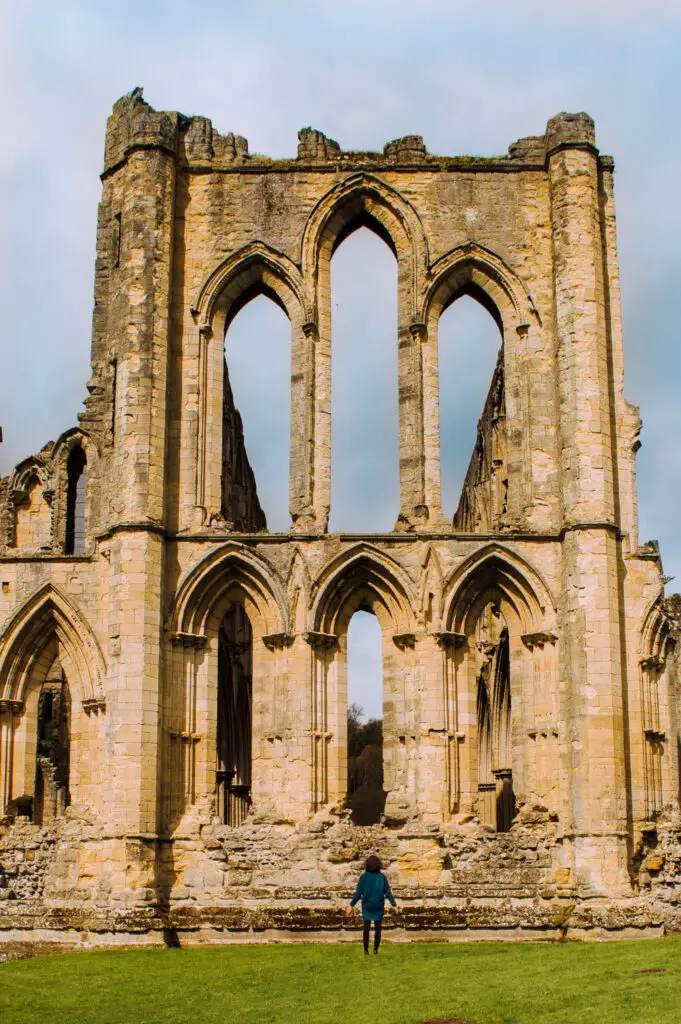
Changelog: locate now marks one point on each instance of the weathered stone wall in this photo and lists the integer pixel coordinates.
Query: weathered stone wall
(482, 504)
(191, 226)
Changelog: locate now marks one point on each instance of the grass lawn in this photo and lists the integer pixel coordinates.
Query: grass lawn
(604, 983)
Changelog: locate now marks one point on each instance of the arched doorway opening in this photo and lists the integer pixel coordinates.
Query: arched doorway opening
(496, 801)
(365, 487)
(365, 793)
(504, 664)
(51, 791)
(235, 702)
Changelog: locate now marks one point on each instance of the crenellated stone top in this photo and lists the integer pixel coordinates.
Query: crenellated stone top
(135, 125)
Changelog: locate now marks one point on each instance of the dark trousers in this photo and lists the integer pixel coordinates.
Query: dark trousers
(377, 934)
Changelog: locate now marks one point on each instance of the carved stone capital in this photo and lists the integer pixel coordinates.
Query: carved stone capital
(14, 707)
(657, 664)
(93, 704)
(195, 640)
(310, 330)
(532, 640)
(449, 639)
(418, 330)
(275, 641)
(404, 640)
(18, 496)
(321, 641)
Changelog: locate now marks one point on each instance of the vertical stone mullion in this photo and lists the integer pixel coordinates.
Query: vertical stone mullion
(432, 496)
(321, 396)
(413, 508)
(303, 498)
(6, 754)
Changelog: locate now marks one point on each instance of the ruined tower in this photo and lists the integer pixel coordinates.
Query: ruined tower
(173, 698)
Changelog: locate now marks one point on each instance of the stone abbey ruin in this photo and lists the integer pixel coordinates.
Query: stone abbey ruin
(173, 678)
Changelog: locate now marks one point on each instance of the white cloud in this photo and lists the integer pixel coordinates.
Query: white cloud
(469, 77)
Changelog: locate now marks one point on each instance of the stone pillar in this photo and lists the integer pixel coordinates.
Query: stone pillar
(591, 621)
(134, 288)
(328, 758)
(309, 498)
(414, 511)
(9, 709)
(289, 728)
(320, 396)
(449, 643)
(133, 292)
(133, 691)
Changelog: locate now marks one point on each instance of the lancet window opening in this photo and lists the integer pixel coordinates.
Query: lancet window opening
(659, 714)
(234, 716)
(256, 413)
(364, 394)
(473, 462)
(501, 626)
(51, 787)
(496, 803)
(365, 793)
(76, 476)
(654, 687)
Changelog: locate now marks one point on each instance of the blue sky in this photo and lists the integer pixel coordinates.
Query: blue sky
(470, 77)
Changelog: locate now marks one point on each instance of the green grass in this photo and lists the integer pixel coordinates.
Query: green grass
(335, 984)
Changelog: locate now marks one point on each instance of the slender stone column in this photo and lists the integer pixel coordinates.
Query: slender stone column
(308, 503)
(413, 508)
(9, 709)
(329, 763)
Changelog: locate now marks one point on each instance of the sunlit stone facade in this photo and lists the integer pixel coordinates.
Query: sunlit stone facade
(173, 678)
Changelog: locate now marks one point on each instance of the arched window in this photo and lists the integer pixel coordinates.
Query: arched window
(76, 474)
(51, 793)
(472, 415)
(256, 415)
(364, 412)
(496, 804)
(365, 795)
(235, 699)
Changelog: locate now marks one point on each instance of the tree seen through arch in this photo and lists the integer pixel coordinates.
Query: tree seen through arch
(365, 795)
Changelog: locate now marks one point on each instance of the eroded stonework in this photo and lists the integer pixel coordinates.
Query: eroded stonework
(173, 699)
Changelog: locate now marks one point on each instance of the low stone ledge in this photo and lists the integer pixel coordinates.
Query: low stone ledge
(466, 919)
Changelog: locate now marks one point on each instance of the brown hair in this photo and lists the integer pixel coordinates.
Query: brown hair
(372, 863)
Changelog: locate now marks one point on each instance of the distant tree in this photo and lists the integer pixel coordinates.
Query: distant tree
(366, 796)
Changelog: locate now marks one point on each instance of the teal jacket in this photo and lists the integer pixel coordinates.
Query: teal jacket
(373, 888)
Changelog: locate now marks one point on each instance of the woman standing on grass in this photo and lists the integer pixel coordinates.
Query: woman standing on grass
(373, 888)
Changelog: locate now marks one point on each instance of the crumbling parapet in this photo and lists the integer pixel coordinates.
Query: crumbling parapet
(134, 124)
(314, 145)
